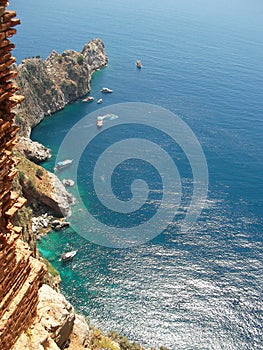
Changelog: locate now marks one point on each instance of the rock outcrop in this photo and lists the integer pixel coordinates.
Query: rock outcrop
(33, 150)
(49, 85)
(55, 314)
(44, 192)
(57, 326)
(53, 324)
(60, 200)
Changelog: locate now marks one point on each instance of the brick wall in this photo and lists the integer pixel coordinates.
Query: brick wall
(20, 274)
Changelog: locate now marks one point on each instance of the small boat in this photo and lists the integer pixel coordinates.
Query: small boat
(88, 99)
(68, 256)
(68, 182)
(139, 64)
(99, 122)
(63, 164)
(99, 100)
(106, 90)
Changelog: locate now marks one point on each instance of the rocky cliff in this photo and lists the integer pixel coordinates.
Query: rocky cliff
(33, 150)
(57, 326)
(49, 85)
(42, 189)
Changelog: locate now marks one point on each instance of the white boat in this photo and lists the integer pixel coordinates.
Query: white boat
(99, 122)
(88, 99)
(139, 64)
(106, 90)
(63, 164)
(99, 100)
(68, 256)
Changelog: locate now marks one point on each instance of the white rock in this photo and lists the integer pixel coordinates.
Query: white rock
(34, 151)
(80, 329)
(56, 314)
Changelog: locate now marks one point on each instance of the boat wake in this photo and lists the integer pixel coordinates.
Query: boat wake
(109, 116)
(101, 119)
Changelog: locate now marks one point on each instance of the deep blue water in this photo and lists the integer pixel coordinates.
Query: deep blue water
(203, 61)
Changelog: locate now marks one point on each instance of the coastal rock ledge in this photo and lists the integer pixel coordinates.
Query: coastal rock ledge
(33, 150)
(44, 192)
(49, 85)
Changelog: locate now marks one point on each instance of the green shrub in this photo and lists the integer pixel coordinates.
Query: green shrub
(106, 343)
(21, 176)
(125, 344)
(18, 119)
(80, 59)
(51, 269)
(31, 185)
(39, 173)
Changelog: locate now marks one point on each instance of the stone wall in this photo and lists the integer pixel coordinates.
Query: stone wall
(21, 274)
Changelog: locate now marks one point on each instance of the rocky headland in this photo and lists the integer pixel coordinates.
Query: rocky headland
(49, 85)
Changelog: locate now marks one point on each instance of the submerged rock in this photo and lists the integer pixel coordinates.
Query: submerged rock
(68, 182)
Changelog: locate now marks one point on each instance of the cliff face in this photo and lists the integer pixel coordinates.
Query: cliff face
(49, 85)
(57, 326)
(43, 190)
(33, 150)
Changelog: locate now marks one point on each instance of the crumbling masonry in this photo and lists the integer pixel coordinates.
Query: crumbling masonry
(20, 274)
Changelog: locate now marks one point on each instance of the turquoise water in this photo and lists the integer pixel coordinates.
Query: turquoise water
(203, 61)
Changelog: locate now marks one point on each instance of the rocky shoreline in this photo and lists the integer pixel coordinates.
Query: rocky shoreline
(33, 150)
(48, 86)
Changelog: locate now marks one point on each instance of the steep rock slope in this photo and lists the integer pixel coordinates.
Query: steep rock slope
(43, 190)
(49, 85)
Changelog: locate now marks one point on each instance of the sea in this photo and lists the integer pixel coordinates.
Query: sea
(202, 61)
